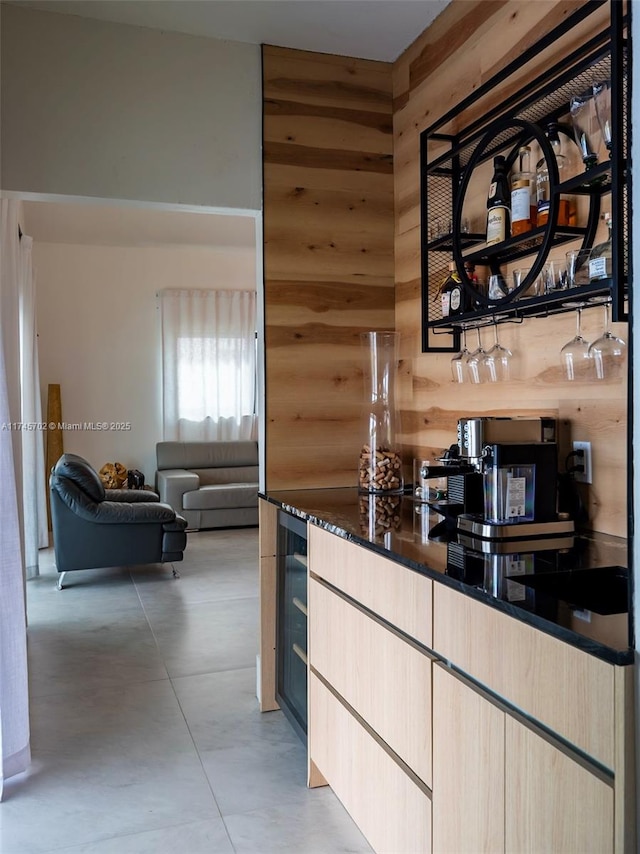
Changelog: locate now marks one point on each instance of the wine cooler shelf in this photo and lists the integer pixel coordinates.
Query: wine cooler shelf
(557, 148)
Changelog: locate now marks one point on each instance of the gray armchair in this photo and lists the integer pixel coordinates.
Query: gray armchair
(97, 527)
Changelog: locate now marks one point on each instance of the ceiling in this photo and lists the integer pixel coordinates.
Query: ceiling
(99, 224)
(370, 29)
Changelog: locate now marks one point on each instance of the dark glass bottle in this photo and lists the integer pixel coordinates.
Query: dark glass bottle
(498, 212)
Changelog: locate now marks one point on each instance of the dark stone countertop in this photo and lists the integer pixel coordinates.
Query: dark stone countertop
(574, 589)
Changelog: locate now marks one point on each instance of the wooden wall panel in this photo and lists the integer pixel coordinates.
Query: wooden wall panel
(328, 256)
(463, 47)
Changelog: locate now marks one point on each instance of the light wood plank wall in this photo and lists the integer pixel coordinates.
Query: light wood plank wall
(333, 177)
(468, 43)
(328, 256)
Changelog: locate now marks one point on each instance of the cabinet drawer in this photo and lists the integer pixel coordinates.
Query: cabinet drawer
(553, 803)
(567, 690)
(397, 594)
(386, 679)
(390, 809)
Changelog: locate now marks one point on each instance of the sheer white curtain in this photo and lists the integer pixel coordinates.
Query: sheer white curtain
(208, 364)
(14, 697)
(34, 502)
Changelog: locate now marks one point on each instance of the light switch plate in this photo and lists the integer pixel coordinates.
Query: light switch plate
(586, 475)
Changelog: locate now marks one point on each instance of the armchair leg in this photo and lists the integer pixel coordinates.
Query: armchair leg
(176, 574)
(60, 580)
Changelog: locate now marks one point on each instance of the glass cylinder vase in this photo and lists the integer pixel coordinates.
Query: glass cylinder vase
(380, 469)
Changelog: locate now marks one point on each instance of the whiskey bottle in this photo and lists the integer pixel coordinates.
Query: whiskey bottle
(446, 290)
(543, 188)
(523, 207)
(498, 213)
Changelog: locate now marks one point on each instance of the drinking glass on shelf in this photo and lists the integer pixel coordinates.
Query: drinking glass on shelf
(582, 110)
(577, 267)
(602, 98)
(518, 277)
(575, 353)
(497, 360)
(458, 363)
(474, 362)
(608, 351)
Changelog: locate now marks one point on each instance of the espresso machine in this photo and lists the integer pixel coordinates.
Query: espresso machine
(502, 479)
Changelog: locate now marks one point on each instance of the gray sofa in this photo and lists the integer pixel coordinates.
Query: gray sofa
(210, 484)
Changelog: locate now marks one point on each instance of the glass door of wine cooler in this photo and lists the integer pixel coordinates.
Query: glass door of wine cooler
(291, 629)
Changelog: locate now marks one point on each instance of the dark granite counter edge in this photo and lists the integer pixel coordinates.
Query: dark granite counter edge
(593, 647)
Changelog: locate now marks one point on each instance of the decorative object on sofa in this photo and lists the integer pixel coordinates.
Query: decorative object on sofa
(113, 475)
(96, 527)
(135, 479)
(211, 484)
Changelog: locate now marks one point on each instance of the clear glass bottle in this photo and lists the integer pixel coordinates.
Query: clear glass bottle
(380, 469)
(498, 198)
(543, 190)
(523, 206)
(600, 258)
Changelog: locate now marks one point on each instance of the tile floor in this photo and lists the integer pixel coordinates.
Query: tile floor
(145, 731)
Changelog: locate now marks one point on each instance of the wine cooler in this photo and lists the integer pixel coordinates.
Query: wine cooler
(291, 621)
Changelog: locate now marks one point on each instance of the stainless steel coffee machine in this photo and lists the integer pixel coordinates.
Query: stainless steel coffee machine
(502, 479)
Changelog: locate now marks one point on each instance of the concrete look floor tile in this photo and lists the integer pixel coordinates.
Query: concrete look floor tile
(317, 825)
(257, 775)
(222, 711)
(203, 837)
(108, 764)
(81, 652)
(201, 582)
(207, 637)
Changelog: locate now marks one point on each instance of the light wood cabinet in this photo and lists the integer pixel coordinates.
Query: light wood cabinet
(384, 678)
(398, 594)
(562, 687)
(554, 802)
(468, 769)
(519, 791)
(268, 544)
(389, 806)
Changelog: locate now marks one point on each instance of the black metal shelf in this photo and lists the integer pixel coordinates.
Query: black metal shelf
(514, 310)
(517, 119)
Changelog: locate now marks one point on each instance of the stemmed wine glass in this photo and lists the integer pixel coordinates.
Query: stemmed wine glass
(575, 353)
(608, 351)
(497, 360)
(458, 361)
(475, 361)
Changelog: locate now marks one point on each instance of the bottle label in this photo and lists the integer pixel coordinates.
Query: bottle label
(456, 300)
(445, 301)
(598, 268)
(521, 203)
(496, 225)
(492, 189)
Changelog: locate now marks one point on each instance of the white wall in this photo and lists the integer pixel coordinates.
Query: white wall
(99, 335)
(91, 108)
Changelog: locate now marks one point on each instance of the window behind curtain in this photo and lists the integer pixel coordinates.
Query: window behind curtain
(209, 365)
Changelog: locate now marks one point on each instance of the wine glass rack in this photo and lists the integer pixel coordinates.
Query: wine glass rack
(449, 155)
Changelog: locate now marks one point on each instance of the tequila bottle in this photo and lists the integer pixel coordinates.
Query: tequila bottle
(600, 259)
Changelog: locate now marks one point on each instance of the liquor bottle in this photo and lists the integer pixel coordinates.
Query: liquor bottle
(446, 290)
(454, 296)
(498, 214)
(543, 189)
(523, 206)
(600, 263)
